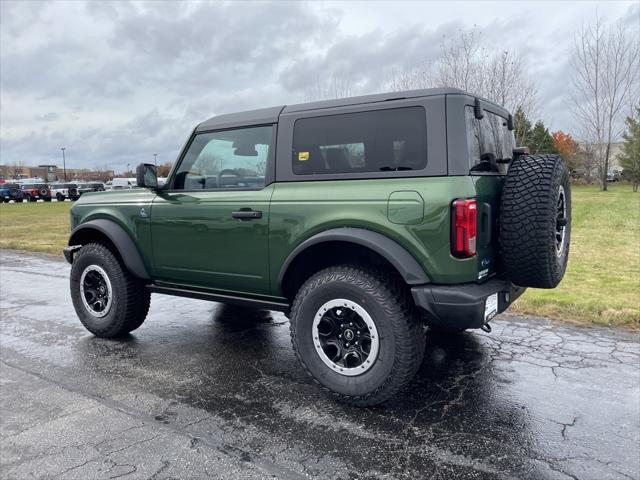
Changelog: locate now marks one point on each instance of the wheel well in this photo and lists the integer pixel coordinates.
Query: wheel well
(92, 235)
(326, 254)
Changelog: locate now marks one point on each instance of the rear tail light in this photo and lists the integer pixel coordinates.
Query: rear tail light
(464, 228)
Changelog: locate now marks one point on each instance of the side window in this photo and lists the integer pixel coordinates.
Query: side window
(488, 139)
(374, 141)
(228, 159)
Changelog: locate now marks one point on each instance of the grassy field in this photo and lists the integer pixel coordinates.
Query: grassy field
(36, 227)
(601, 284)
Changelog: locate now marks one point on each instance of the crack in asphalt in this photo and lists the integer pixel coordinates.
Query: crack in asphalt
(265, 465)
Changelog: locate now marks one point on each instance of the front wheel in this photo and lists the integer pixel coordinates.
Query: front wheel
(109, 301)
(59, 197)
(357, 334)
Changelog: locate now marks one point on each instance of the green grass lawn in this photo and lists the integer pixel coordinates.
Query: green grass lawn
(602, 283)
(36, 227)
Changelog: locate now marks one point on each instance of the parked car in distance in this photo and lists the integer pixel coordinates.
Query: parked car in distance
(10, 191)
(123, 183)
(33, 192)
(86, 187)
(614, 175)
(62, 191)
(366, 220)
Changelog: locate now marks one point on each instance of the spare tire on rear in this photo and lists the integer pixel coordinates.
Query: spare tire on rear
(535, 221)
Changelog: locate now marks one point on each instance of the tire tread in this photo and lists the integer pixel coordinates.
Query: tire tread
(408, 328)
(136, 299)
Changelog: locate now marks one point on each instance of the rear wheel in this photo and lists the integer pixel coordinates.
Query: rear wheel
(59, 197)
(109, 301)
(357, 334)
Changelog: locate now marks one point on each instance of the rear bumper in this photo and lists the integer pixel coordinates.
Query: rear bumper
(463, 306)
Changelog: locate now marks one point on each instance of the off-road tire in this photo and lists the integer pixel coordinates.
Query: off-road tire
(47, 199)
(401, 332)
(130, 297)
(528, 221)
(59, 197)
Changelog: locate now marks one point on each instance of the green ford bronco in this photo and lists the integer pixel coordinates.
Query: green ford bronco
(365, 220)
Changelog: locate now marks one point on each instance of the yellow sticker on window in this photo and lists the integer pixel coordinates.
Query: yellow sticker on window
(302, 156)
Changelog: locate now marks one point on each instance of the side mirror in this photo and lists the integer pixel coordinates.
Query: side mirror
(146, 175)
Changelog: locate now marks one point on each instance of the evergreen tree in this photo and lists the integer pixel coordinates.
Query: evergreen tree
(538, 138)
(630, 156)
(541, 140)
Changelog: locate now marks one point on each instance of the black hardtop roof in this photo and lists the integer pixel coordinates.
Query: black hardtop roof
(271, 114)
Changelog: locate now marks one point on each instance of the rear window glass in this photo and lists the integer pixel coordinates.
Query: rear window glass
(374, 141)
(488, 137)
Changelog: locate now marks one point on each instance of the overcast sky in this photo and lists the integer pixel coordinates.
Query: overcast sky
(115, 83)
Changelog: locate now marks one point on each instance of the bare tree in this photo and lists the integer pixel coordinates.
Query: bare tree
(586, 161)
(605, 62)
(507, 84)
(16, 169)
(460, 64)
(463, 63)
(411, 77)
(499, 76)
(333, 86)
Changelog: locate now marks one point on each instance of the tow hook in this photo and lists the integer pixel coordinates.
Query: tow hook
(486, 328)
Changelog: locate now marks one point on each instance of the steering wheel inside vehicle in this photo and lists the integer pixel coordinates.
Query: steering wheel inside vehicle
(235, 181)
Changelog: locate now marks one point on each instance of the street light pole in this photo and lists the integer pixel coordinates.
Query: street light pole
(128, 168)
(64, 164)
(155, 159)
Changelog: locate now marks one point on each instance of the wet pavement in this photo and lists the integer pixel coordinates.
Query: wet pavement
(205, 390)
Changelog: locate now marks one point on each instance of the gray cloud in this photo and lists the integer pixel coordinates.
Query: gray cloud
(116, 82)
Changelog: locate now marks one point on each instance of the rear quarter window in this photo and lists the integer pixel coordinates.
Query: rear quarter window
(488, 136)
(374, 141)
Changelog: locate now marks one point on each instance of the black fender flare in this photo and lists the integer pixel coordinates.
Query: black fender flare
(120, 238)
(396, 254)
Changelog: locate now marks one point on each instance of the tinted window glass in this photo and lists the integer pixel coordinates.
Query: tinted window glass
(374, 141)
(488, 136)
(231, 159)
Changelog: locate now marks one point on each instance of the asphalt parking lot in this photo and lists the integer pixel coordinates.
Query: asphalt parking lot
(203, 390)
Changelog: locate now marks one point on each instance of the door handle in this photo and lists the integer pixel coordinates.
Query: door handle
(247, 214)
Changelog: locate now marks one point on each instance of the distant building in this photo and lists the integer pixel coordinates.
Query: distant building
(52, 173)
(46, 172)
